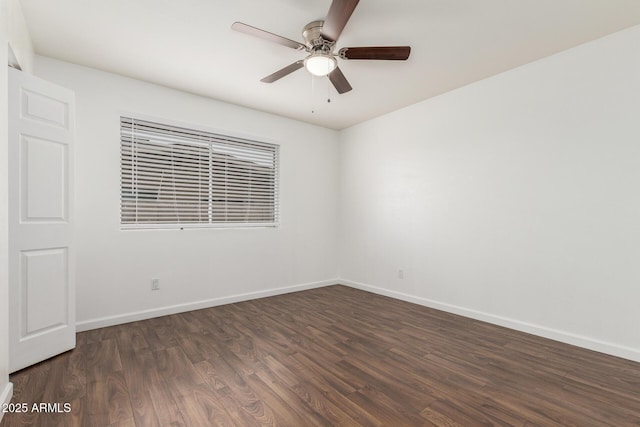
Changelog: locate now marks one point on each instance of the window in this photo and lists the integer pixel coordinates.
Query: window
(177, 177)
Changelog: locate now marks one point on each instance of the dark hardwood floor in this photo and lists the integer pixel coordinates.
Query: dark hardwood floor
(326, 357)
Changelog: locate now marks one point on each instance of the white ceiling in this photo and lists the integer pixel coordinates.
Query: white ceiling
(189, 45)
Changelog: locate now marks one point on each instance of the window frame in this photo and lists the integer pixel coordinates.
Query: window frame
(236, 137)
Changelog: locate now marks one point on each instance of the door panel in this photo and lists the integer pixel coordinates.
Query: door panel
(43, 183)
(40, 107)
(44, 285)
(41, 251)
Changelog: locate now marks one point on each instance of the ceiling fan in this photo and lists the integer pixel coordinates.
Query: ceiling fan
(320, 39)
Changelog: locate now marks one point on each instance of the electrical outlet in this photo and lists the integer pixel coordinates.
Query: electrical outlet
(400, 274)
(155, 284)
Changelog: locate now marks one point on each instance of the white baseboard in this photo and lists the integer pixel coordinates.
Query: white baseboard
(554, 334)
(118, 319)
(5, 397)
(542, 331)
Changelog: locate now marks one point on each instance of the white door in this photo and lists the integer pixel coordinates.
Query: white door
(41, 253)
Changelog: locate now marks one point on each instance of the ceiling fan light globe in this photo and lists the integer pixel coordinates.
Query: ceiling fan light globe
(320, 64)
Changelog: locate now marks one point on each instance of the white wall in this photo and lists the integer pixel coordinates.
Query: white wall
(514, 200)
(15, 48)
(196, 267)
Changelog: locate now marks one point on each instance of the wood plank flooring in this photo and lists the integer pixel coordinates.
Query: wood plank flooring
(332, 356)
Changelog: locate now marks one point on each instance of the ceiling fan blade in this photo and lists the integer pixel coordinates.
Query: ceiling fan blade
(283, 72)
(393, 53)
(257, 32)
(339, 81)
(339, 13)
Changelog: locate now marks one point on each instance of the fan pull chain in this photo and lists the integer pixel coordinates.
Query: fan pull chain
(314, 102)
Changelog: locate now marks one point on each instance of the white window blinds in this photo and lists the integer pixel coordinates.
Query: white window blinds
(173, 176)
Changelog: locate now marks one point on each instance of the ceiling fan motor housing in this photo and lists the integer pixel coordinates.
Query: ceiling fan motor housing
(313, 37)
